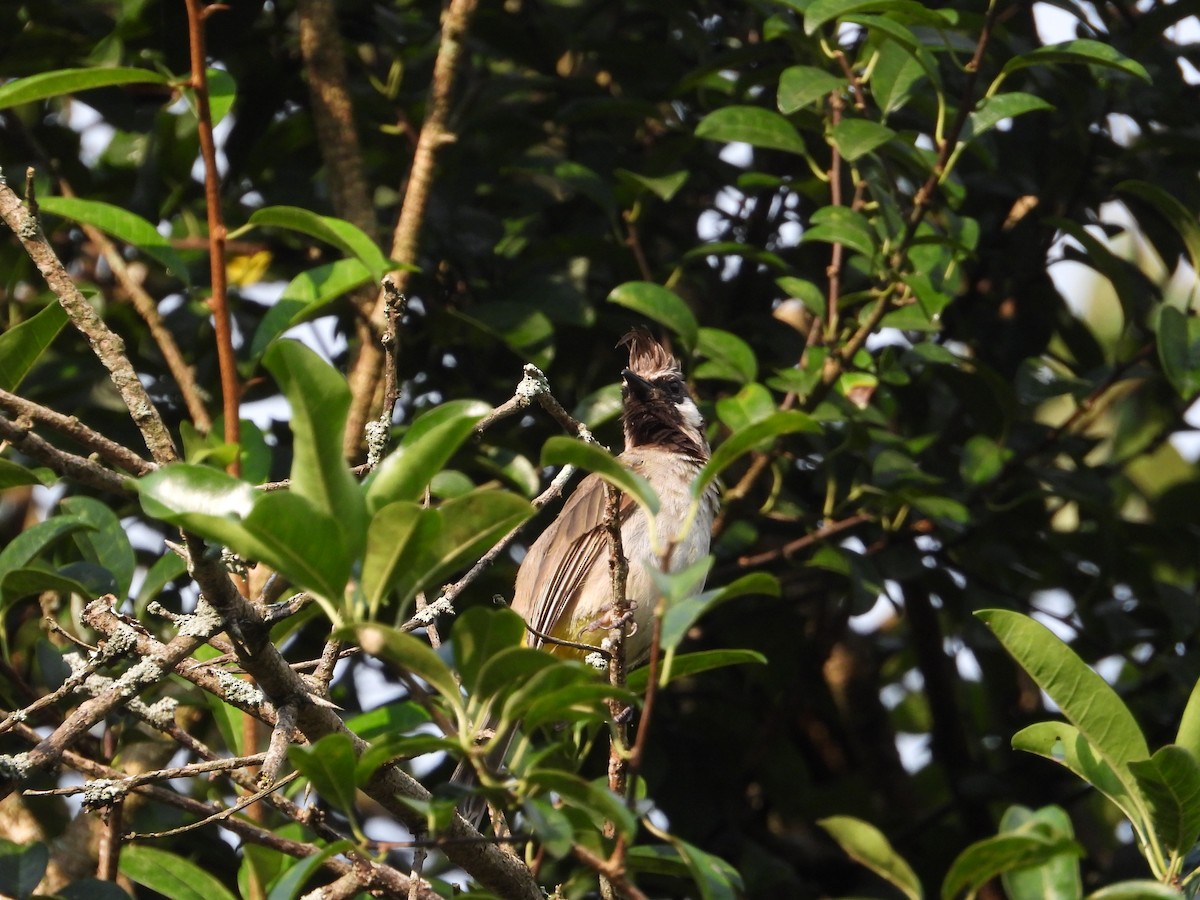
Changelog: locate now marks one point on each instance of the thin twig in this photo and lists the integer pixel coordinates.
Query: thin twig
(219, 301)
(218, 816)
(79, 468)
(786, 551)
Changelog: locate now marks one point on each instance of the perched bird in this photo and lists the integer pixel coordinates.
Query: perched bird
(564, 585)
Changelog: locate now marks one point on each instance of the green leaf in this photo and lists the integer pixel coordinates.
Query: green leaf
(329, 767)
(121, 224)
(1082, 51)
(481, 633)
(685, 605)
(1086, 699)
(895, 74)
(805, 291)
(409, 655)
(842, 225)
(1170, 781)
(105, 543)
(1179, 349)
(14, 475)
(410, 549)
(550, 825)
(320, 401)
(23, 345)
(507, 670)
(91, 889)
(292, 882)
(222, 92)
(1136, 889)
(800, 86)
(392, 718)
(1057, 877)
(753, 403)
(305, 296)
(996, 109)
(867, 845)
(71, 81)
(665, 187)
(982, 459)
(695, 663)
(595, 799)
(1171, 209)
(561, 450)
(170, 875)
(1063, 744)
(36, 539)
(822, 11)
(658, 304)
(753, 125)
(727, 356)
(984, 860)
(26, 581)
(351, 240)
(758, 434)
(855, 138)
(1188, 735)
(716, 879)
(426, 448)
(280, 528)
(22, 867)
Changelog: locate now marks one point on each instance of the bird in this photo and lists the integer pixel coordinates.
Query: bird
(564, 585)
(564, 588)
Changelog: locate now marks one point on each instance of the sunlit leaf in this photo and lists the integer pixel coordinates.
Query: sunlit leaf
(1055, 877)
(1170, 781)
(755, 435)
(121, 224)
(1000, 107)
(841, 225)
(984, 860)
(659, 304)
(409, 654)
(170, 874)
(855, 138)
(329, 767)
(351, 240)
(561, 451)
(307, 295)
(753, 125)
(1080, 51)
(800, 86)
(72, 81)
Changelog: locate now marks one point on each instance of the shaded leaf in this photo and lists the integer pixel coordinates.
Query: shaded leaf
(305, 296)
(855, 138)
(752, 436)
(842, 225)
(984, 860)
(800, 86)
(329, 767)
(821, 12)
(867, 845)
(1081, 51)
(1170, 781)
(22, 345)
(105, 542)
(1057, 877)
(479, 634)
(994, 110)
(688, 664)
(22, 867)
(408, 654)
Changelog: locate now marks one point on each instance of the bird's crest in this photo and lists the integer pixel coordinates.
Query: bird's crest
(647, 357)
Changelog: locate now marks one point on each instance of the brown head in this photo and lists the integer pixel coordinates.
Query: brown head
(658, 410)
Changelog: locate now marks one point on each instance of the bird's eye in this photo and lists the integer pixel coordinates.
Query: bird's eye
(674, 389)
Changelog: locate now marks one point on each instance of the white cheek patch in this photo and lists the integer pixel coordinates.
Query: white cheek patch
(690, 414)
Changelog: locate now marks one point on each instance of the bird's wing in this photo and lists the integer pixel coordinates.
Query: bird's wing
(560, 560)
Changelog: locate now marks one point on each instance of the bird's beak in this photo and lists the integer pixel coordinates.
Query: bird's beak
(636, 383)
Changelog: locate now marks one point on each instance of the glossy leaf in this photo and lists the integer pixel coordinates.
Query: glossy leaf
(801, 86)
(855, 138)
(426, 448)
(72, 81)
(22, 345)
(560, 450)
(752, 436)
(291, 883)
(896, 73)
(665, 187)
(320, 401)
(37, 539)
(715, 878)
(1086, 699)
(867, 845)
(753, 125)
(1139, 889)
(169, 874)
(393, 718)
(349, 239)
(1188, 735)
(1081, 51)
(121, 224)
(329, 767)
(388, 536)
(658, 304)
(14, 475)
(595, 799)
(686, 604)
(507, 669)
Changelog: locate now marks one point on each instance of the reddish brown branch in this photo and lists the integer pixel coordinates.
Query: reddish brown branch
(219, 301)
